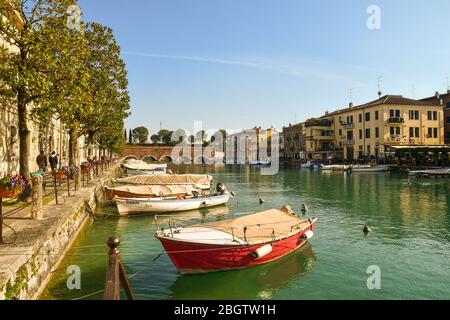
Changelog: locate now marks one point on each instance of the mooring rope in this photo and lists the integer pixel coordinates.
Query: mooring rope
(129, 277)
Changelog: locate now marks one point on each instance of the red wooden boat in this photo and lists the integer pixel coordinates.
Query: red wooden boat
(236, 243)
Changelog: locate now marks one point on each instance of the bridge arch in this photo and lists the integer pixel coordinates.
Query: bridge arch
(166, 158)
(131, 157)
(150, 157)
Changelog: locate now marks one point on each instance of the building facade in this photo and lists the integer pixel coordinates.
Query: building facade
(294, 137)
(50, 136)
(444, 101)
(369, 130)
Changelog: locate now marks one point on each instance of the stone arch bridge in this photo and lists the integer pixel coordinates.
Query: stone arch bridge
(159, 153)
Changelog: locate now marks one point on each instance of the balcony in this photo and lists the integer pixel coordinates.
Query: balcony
(396, 120)
(349, 142)
(396, 138)
(348, 126)
(318, 123)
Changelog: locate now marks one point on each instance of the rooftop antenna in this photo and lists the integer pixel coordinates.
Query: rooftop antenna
(379, 86)
(448, 85)
(413, 91)
(351, 90)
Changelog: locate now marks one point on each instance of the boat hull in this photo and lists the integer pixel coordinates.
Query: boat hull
(194, 258)
(372, 169)
(128, 206)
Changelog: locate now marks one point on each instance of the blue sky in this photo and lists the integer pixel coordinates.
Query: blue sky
(239, 63)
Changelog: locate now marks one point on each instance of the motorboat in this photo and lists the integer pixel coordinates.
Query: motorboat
(129, 206)
(236, 243)
(198, 181)
(150, 191)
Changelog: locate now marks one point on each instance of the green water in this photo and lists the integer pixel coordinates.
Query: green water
(410, 242)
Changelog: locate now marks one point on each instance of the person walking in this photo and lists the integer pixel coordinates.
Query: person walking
(53, 160)
(41, 161)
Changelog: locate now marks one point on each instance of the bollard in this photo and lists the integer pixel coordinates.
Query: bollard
(36, 197)
(115, 273)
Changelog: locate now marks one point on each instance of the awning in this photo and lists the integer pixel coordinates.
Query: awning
(418, 148)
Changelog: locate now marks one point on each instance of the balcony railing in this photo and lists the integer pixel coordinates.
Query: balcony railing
(350, 142)
(319, 123)
(348, 126)
(396, 120)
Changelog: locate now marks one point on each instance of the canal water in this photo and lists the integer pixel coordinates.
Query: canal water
(410, 242)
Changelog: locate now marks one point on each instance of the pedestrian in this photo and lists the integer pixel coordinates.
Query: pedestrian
(41, 161)
(53, 160)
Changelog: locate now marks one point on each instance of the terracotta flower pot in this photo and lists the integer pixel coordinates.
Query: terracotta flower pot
(60, 175)
(10, 193)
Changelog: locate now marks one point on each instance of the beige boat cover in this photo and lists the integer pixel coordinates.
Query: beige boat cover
(262, 226)
(142, 165)
(155, 190)
(170, 179)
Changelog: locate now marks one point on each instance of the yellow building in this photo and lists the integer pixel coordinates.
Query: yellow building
(294, 141)
(368, 130)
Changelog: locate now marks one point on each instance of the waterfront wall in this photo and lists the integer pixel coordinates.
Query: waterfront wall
(26, 266)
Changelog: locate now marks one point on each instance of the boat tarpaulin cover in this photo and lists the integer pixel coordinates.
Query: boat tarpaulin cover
(170, 179)
(155, 190)
(142, 165)
(261, 226)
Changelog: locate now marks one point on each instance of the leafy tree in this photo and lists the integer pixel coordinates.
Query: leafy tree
(141, 134)
(166, 136)
(130, 137)
(155, 138)
(30, 28)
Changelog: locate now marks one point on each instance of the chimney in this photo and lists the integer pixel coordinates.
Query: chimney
(350, 105)
(326, 113)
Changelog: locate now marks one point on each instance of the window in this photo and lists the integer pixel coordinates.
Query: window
(395, 131)
(414, 132)
(340, 132)
(377, 132)
(367, 116)
(432, 132)
(376, 115)
(432, 115)
(448, 134)
(360, 118)
(349, 135)
(360, 134)
(394, 113)
(448, 120)
(413, 115)
(367, 133)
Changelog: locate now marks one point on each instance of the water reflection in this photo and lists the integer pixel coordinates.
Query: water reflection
(260, 282)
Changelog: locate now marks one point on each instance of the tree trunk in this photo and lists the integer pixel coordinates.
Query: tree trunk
(73, 144)
(24, 135)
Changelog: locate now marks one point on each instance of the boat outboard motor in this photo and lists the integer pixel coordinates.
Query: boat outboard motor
(220, 188)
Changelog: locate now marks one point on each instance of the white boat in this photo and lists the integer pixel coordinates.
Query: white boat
(324, 167)
(368, 168)
(198, 181)
(430, 171)
(133, 164)
(307, 165)
(341, 168)
(131, 172)
(127, 206)
(259, 162)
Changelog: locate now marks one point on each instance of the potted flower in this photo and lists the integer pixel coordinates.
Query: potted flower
(68, 171)
(86, 167)
(12, 186)
(59, 174)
